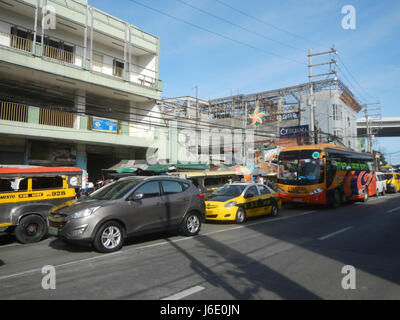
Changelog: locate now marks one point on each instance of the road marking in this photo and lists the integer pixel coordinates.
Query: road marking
(393, 210)
(334, 233)
(24, 273)
(184, 293)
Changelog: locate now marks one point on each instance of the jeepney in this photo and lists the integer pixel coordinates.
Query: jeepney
(27, 194)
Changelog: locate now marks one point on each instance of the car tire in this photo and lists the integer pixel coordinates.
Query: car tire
(240, 216)
(109, 238)
(191, 224)
(274, 209)
(31, 229)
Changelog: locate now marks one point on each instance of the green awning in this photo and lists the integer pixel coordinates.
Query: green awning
(126, 170)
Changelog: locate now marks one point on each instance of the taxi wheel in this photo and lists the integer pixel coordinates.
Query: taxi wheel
(240, 216)
(274, 209)
(31, 229)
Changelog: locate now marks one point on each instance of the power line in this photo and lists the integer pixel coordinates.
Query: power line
(355, 80)
(239, 26)
(216, 33)
(268, 24)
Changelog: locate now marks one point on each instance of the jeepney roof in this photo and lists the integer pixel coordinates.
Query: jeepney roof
(30, 171)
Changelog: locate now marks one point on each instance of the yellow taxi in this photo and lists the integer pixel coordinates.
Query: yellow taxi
(392, 181)
(238, 201)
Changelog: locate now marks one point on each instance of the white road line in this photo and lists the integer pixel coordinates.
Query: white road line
(393, 210)
(334, 233)
(184, 293)
(153, 245)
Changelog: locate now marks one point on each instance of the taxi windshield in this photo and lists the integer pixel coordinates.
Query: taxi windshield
(232, 190)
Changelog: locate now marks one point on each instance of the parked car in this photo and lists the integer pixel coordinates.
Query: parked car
(127, 207)
(392, 182)
(238, 201)
(27, 194)
(380, 184)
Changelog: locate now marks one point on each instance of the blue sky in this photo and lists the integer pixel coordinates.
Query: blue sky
(272, 58)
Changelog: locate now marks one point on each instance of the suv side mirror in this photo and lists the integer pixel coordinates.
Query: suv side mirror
(135, 197)
(249, 195)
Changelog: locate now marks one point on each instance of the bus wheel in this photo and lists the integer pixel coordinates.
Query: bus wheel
(30, 229)
(365, 199)
(337, 199)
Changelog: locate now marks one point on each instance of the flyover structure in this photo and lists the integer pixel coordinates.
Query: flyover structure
(384, 127)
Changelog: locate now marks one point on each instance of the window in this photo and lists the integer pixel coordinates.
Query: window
(149, 190)
(171, 187)
(118, 68)
(185, 186)
(251, 192)
(47, 183)
(264, 190)
(337, 112)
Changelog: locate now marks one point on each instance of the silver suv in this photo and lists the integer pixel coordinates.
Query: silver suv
(129, 206)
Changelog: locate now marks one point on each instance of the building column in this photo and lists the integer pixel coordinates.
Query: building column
(79, 107)
(81, 162)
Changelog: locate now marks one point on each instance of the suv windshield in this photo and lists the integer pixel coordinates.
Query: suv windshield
(388, 176)
(300, 168)
(115, 190)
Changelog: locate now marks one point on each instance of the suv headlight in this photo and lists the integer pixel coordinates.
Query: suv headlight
(318, 190)
(231, 204)
(83, 213)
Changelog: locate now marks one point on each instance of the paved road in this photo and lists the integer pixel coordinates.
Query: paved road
(298, 255)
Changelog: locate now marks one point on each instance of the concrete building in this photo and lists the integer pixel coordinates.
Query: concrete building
(285, 116)
(77, 86)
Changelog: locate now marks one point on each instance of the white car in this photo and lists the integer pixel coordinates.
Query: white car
(380, 184)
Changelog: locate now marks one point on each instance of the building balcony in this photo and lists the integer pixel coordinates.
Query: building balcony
(102, 63)
(41, 123)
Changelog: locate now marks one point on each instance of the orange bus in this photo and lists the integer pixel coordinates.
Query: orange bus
(325, 174)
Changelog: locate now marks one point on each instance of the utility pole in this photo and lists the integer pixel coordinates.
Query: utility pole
(197, 122)
(368, 116)
(311, 103)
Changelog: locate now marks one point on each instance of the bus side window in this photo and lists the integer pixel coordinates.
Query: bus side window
(5, 185)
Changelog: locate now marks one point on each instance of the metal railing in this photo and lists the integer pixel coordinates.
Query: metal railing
(20, 43)
(59, 54)
(57, 118)
(13, 112)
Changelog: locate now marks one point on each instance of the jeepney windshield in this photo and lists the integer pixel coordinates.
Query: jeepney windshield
(302, 167)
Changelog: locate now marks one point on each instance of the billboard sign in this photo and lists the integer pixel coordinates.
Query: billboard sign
(294, 132)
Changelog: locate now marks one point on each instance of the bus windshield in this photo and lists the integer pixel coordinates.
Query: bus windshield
(300, 167)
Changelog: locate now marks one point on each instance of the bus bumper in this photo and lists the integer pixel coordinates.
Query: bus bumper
(319, 198)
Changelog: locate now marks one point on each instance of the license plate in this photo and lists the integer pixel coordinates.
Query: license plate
(297, 200)
(53, 231)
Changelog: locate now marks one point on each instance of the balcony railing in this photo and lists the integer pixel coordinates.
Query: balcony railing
(59, 54)
(20, 43)
(13, 112)
(56, 118)
(136, 74)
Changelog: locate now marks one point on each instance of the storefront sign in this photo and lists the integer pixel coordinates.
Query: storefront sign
(293, 132)
(105, 125)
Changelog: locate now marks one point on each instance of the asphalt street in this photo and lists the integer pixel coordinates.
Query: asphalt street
(298, 255)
